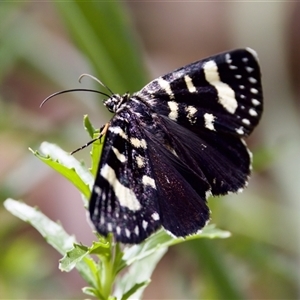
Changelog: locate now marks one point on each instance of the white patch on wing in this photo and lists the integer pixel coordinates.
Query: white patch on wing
(118, 230)
(209, 121)
(254, 91)
(121, 157)
(246, 121)
(173, 115)
(225, 92)
(149, 181)
(228, 58)
(97, 190)
(191, 111)
(240, 130)
(145, 224)
(138, 143)
(136, 230)
(155, 216)
(189, 84)
(118, 130)
(140, 161)
(109, 227)
(252, 80)
(249, 69)
(125, 195)
(165, 85)
(252, 112)
(127, 232)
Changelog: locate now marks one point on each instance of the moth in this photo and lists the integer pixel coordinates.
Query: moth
(174, 143)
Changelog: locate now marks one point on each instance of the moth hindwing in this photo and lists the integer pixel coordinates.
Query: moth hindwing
(173, 143)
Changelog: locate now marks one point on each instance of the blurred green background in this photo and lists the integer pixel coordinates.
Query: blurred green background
(46, 46)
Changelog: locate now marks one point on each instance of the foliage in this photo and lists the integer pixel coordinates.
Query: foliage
(40, 53)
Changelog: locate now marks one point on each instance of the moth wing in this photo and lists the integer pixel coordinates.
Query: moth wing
(124, 197)
(220, 93)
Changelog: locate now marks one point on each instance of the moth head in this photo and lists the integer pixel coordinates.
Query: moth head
(115, 103)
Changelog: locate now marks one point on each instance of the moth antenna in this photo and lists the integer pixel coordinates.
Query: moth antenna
(96, 79)
(72, 90)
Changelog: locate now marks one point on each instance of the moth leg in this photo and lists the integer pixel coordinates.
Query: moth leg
(103, 130)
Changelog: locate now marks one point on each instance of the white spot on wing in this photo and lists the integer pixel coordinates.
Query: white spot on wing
(191, 111)
(97, 190)
(109, 227)
(145, 224)
(102, 221)
(208, 193)
(254, 91)
(127, 232)
(121, 157)
(249, 69)
(228, 58)
(240, 130)
(189, 84)
(149, 181)
(167, 179)
(252, 112)
(138, 143)
(118, 130)
(225, 92)
(209, 121)
(255, 102)
(246, 121)
(173, 115)
(136, 230)
(165, 85)
(118, 230)
(155, 216)
(125, 195)
(140, 161)
(252, 80)
(240, 190)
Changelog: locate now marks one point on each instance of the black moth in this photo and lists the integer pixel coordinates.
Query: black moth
(174, 143)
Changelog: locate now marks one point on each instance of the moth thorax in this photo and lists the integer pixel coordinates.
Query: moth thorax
(115, 102)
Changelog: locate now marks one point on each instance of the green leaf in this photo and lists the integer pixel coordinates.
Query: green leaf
(90, 129)
(76, 254)
(92, 292)
(162, 239)
(100, 248)
(96, 154)
(79, 252)
(54, 234)
(138, 276)
(66, 165)
(134, 289)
